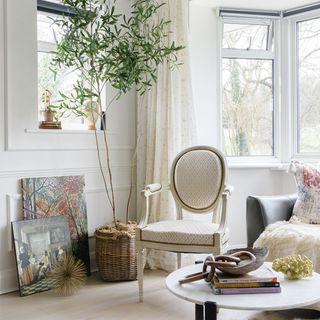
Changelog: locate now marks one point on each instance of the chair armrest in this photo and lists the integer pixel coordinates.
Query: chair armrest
(222, 225)
(225, 196)
(149, 190)
(264, 210)
(229, 189)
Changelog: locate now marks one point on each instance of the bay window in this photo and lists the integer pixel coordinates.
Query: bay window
(270, 84)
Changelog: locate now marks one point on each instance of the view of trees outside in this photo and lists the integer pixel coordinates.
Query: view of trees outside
(48, 34)
(247, 94)
(248, 107)
(244, 36)
(308, 37)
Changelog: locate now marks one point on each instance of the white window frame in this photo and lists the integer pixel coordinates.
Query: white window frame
(21, 131)
(253, 54)
(48, 47)
(292, 29)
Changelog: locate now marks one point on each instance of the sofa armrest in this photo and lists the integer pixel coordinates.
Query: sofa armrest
(264, 210)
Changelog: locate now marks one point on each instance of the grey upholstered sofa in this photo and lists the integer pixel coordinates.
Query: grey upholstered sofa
(264, 210)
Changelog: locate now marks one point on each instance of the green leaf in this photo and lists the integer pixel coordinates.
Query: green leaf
(107, 47)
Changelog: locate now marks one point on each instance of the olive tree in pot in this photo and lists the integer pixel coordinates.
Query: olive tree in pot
(124, 52)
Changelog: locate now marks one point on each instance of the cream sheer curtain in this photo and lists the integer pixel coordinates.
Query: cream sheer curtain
(165, 126)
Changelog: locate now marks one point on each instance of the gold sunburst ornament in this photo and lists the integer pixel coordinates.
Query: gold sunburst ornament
(68, 275)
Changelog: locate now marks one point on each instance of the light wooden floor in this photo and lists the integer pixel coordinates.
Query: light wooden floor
(115, 301)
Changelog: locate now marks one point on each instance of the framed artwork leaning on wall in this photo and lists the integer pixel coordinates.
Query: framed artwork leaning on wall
(38, 243)
(60, 196)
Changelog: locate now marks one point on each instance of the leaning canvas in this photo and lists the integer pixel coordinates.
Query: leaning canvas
(52, 196)
(38, 244)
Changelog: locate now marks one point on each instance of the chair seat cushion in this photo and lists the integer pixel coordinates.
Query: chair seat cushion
(184, 232)
(284, 238)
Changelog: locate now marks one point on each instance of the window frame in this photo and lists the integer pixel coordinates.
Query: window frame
(53, 10)
(48, 47)
(293, 54)
(274, 56)
(21, 131)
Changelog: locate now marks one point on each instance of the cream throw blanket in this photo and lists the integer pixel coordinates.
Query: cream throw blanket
(292, 237)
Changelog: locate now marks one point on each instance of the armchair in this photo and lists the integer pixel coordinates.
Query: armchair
(264, 210)
(198, 184)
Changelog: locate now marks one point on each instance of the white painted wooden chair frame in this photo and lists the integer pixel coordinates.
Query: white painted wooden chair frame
(155, 188)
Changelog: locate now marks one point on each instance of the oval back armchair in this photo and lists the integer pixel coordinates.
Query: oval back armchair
(198, 185)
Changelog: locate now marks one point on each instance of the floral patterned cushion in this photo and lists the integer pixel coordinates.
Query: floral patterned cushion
(307, 206)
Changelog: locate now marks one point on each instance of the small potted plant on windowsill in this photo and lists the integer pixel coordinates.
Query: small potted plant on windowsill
(110, 48)
(50, 113)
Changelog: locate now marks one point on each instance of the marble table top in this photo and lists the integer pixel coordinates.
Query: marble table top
(294, 293)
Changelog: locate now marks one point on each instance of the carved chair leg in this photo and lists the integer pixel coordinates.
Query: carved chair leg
(179, 260)
(140, 266)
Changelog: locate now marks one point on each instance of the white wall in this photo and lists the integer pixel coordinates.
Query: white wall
(30, 153)
(205, 76)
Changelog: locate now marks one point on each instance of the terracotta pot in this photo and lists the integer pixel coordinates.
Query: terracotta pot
(48, 116)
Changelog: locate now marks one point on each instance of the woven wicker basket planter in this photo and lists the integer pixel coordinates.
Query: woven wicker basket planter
(116, 252)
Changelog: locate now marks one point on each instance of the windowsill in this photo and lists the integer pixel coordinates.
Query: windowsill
(271, 166)
(67, 131)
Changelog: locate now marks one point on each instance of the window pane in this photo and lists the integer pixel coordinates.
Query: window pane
(308, 39)
(63, 82)
(48, 34)
(248, 107)
(47, 31)
(244, 36)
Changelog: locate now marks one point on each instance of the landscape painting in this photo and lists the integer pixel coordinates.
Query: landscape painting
(53, 196)
(37, 249)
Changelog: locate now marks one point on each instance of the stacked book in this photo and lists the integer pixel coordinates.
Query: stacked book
(50, 125)
(262, 280)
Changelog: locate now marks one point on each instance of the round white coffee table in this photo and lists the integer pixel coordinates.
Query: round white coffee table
(294, 294)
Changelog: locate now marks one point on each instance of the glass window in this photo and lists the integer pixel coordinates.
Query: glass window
(308, 69)
(247, 107)
(245, 36)
(48, 35)
(247, 89)
(47, 31)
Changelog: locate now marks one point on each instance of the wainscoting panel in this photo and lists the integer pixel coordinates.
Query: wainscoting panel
(98, 210)
(14, 213)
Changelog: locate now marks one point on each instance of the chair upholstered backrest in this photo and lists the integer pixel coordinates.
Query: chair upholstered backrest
(198, 177)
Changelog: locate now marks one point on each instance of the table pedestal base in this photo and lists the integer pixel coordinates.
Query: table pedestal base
(210, 311)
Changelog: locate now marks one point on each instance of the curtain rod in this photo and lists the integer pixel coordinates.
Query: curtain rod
(249, 12)
(302, 9)
(269, 13)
